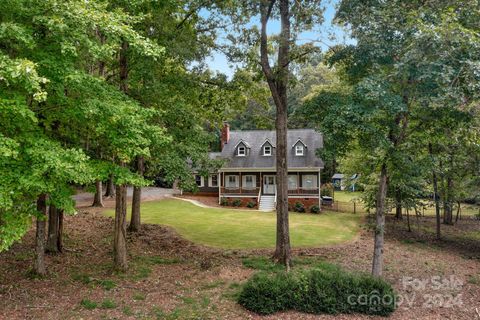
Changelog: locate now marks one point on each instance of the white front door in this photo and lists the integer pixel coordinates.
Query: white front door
(269, 184)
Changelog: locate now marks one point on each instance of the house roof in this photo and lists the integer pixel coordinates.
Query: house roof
(257, 138)
(338, 176)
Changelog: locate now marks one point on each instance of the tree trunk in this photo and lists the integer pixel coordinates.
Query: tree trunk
(277, 83)
(448, 208)
(377, 265)
(408, 221)
(60, 231)
(435, 196)
(459, 208)
(398, 205)
(120, 230)
(282, 252)
(123, 63)
(39, 266)
(53, 225)
(135, 221)
(110, 192)
(97, 199)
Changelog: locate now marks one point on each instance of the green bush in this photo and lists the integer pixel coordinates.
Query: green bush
(250, 204)
(326, 190)
(315, 209)
(299, 207)
(224, 202)
(237, 203)
(325, 289)
(265, 294)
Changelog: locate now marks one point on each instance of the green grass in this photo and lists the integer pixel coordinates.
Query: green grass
(88, 304)
(346, 196)
(108, 304)
(238, 229)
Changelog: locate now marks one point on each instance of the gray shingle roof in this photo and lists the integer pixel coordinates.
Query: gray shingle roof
(256, 138)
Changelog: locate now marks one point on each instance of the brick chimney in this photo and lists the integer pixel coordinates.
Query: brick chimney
(225, 136)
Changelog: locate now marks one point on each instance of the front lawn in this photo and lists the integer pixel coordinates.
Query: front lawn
(238, 229)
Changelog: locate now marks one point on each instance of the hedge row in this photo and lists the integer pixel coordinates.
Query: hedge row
(327, 290)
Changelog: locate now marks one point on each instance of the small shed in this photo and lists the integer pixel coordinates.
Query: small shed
(338, 181)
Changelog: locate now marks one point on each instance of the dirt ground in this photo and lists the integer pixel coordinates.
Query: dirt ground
(171, 278)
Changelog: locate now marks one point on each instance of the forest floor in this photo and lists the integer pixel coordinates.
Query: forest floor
(172, 278)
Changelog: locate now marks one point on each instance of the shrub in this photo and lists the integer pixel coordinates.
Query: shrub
(315, 209)
(265, 294)
(250, 204)
(324, 289)
(224, 202)
(326, 189)
(237, 203)
(299, 207)
(477, 216)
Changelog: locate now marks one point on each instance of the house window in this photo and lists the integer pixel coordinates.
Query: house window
(249, 182)
(199, 180)
(241, 151)
(299, 150)
(231, 181)
(267, 150)
(214, 180)
(309, 181)
(292, 182)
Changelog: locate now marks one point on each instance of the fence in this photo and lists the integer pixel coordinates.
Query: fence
(341, 206)
(428, 209)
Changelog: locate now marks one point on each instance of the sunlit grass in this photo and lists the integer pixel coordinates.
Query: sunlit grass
(238, 229)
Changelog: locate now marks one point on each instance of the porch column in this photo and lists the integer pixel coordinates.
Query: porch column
(240, 182)
(319, 192)
(219, 182)
(298, 182)
(261, 182)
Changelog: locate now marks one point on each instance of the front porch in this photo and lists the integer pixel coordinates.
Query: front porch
(256, 184)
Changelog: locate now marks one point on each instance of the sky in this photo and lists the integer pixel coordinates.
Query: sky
(330, 35)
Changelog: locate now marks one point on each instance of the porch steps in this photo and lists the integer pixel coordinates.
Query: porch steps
(267, 203)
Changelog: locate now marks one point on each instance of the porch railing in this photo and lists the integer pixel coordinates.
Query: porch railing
(303, 191)
(257, 191)
(245, 191)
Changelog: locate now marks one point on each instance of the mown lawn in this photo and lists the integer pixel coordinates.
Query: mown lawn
(346, 196)
(242, 229)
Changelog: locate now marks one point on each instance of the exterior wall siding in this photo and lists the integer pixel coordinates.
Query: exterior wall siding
(232, 193)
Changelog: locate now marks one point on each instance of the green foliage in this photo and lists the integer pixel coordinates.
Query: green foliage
(88, 304)
(224, 202)
(237, 203)
(108, 304)
(324, 289)
(315, 209)
(250, 204)
(261, 263)
(326, 189)
(299, 207)
(267, 294)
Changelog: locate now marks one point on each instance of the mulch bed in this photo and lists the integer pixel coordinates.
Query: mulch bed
(192, 281)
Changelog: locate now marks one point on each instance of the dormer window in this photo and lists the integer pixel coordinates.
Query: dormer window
(242, 151)
(299, 147)
(267, 150)
(299, 150)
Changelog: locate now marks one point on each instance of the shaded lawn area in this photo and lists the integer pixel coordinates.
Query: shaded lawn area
(239, 229)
